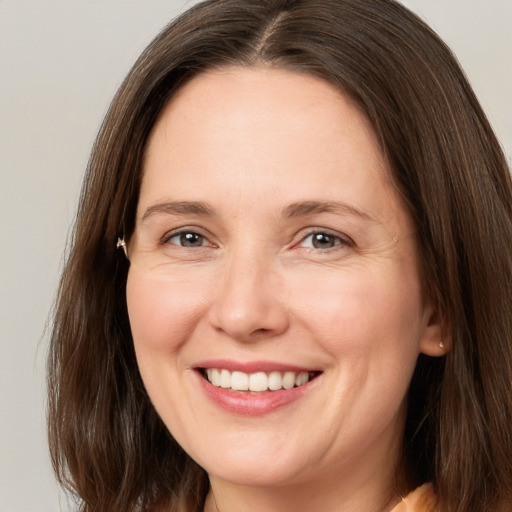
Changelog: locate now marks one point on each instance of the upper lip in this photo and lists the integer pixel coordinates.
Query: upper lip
(252, 366)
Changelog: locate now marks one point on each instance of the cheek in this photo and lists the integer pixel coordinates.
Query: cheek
(362, 312)
(162, 312)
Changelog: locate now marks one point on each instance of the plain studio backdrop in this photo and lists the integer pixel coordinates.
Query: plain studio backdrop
(60, 64)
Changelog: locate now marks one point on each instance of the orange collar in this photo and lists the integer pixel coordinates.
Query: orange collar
(422, 499)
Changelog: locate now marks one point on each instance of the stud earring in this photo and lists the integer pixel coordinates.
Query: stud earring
(441, 344)
(122, 243)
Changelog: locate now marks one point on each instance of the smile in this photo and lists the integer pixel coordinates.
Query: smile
(255, 388)
(257, 382)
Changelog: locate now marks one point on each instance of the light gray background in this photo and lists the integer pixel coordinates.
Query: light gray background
(60, 64)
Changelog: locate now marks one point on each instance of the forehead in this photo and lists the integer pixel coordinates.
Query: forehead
(262, 129)
(263, 102)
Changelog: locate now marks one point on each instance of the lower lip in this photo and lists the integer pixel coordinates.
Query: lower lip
(252, 404)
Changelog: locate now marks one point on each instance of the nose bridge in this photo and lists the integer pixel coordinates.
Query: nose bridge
(246, 304)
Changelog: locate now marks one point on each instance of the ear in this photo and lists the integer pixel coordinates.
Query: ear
(436, 340)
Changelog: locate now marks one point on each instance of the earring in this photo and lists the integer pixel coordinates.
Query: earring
(122, 243)
(441, 344)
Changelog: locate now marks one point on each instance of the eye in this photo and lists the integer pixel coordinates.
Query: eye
(186, 239)
(323, 240)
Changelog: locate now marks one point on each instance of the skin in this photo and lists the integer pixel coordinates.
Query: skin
(250, 142)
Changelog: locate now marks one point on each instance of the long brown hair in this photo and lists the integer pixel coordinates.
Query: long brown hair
(108, 445)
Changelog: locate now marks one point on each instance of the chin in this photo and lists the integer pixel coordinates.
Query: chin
(250, 474)
(257, 462)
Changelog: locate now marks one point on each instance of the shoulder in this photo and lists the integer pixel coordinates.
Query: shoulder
(422, 499)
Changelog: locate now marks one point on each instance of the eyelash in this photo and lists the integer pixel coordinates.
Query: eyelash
(339, 240)
(182, 233)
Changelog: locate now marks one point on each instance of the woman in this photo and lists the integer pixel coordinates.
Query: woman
(309, 304)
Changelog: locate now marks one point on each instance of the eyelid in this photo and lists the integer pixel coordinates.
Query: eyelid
(165, 239)
(345, 240)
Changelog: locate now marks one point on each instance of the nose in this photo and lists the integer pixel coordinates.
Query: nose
(248, 303)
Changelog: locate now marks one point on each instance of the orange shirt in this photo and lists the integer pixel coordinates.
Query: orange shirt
(422, 499)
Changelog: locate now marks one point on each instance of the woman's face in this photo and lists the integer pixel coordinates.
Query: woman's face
(272, 251)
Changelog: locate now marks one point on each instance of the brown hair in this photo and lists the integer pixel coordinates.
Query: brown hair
(107, 443)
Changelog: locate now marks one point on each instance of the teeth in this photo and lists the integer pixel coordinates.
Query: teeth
(275, 381)
(288, 380)
(225, 379)
(239, 381)
(257, 382)
(215, 378)
(301, 378)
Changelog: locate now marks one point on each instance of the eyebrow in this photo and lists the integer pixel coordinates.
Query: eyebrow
(179, 208)
(298, 209)
(305, 208)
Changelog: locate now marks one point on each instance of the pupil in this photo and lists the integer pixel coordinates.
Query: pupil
(191, 240)
(323, 240)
